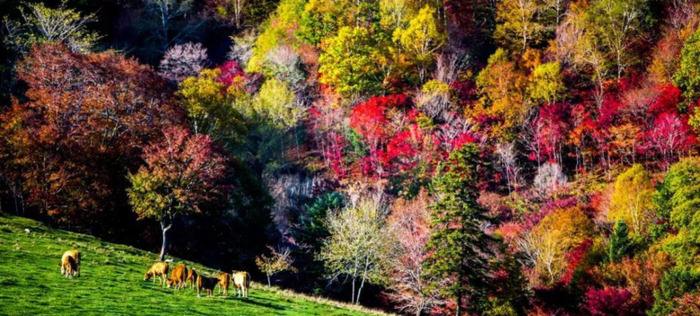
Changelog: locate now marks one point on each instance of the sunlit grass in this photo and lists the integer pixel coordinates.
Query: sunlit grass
(111, 281)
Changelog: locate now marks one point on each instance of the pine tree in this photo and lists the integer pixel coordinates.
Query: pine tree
(620, 242)
(457, 245)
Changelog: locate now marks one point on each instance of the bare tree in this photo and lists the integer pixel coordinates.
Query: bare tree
(183, 61)
(507, 156)
(169, 21)
(242, 48)
(285, 64)
(410, 225)
(549, 178)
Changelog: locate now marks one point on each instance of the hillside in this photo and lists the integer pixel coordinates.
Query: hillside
(112, 281)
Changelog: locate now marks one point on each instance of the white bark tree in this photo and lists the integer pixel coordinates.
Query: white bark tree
(358, 246)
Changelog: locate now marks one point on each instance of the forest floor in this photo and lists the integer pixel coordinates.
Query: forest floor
(111, 281)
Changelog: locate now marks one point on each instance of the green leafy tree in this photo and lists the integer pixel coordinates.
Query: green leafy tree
(678, 201)
(687, 77)
(312, 229)
(674, 284)
(457, 244)
(276, 32)
(620, 243)
(181, 174)
(351, 62)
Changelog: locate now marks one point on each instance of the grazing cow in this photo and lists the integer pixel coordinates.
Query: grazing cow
(70, 263)
(224, 281)
(192, 278)
(207, 284)
(241, 283)
(177, 277)
(158, 269)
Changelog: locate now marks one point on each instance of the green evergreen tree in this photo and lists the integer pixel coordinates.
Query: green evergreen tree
(620, 243)
(458, 246)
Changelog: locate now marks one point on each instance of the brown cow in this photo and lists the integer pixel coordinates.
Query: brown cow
(207, 284)
(241, 283)
(177, 277)
(158, 269)
(70, 263)
(224, 281)
(192, 278)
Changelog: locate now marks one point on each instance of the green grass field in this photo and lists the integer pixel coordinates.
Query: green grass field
(112, 281)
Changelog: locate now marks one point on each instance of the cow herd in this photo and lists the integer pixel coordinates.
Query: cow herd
(180, 278)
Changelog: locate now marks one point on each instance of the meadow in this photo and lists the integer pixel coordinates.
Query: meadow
(111, 281)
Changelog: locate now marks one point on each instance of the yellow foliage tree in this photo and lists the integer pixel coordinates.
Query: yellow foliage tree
(421, 39)
(502, 87)
(547, 244)
(632, 201)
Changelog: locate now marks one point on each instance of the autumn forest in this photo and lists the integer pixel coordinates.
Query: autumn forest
(423, 157)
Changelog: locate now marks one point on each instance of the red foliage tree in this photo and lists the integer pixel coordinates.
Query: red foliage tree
(553, 126)
(574, 259)
(182, 173)
(669, 136)
(85, 121)
(609, 301)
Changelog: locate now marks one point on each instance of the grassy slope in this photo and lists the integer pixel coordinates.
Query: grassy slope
(112, 281)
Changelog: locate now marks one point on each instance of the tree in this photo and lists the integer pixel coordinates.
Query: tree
(457, 245)
(230, 11)
(421, 39)
(617, 24)
(211, 106)
(620, 243)
(276, 103)
(631, 201)
(546, 84)
(518, 26)
(410, 224)
(551, 130)
(677, 200)
(548, 243)
(276, 263)
(85, 120)
(312, 229)
(182, 173)
(183, 61)
(502, 88)
(608, 301)
(357, 246)
(168, 22)
(350, 62)
(669, 137)
(285, 64)
(687, 77)
(40, 24)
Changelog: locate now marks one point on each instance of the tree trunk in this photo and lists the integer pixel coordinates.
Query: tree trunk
(164, 229)
(359, 291)
(268, 280)
(458, 303)
(352, 300)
